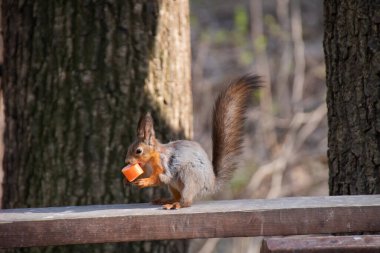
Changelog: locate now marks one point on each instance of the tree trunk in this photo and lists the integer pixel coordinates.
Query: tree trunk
(77, 75)
(352, 51)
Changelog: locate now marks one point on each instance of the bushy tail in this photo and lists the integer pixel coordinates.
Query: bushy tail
(228, 126)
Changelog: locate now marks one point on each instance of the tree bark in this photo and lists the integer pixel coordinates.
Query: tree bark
(77, 75)
(352, 54)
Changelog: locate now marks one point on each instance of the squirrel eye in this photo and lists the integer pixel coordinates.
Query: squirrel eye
(139, 151)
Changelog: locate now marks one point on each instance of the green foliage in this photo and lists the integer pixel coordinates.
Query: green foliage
(273, 26)
(241, 19)
(241, 25)
(246, 57)
(241, 178)
(260, 43)
(206, 37)
(221, 36)
(194, 23)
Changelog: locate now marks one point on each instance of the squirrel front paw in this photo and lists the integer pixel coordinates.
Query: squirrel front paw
(143, 182)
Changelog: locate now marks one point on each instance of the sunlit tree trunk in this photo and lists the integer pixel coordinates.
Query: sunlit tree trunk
(77, 75)
(352, 51)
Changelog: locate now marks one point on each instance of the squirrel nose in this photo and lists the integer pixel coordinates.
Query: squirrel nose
(129, 161)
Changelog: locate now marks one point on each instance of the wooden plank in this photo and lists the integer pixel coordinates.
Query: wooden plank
(133, 222)
(322, 244)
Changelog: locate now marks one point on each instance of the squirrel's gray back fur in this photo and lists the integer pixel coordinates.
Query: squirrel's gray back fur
(187, 165)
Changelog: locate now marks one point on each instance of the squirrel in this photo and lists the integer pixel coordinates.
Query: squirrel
(184, 165)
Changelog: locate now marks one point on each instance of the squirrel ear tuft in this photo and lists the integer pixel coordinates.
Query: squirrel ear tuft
(145, 129)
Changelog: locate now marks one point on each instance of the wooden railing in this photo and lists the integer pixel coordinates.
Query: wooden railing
(322, 244)
(233, 218)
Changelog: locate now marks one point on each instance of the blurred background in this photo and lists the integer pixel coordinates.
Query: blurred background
(286, 138)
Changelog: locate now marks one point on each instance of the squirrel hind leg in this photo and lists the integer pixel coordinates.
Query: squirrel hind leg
(177, 205)
(162, 201)
(176, 197)
(183, 199)
(187, 197)
(172, 206)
